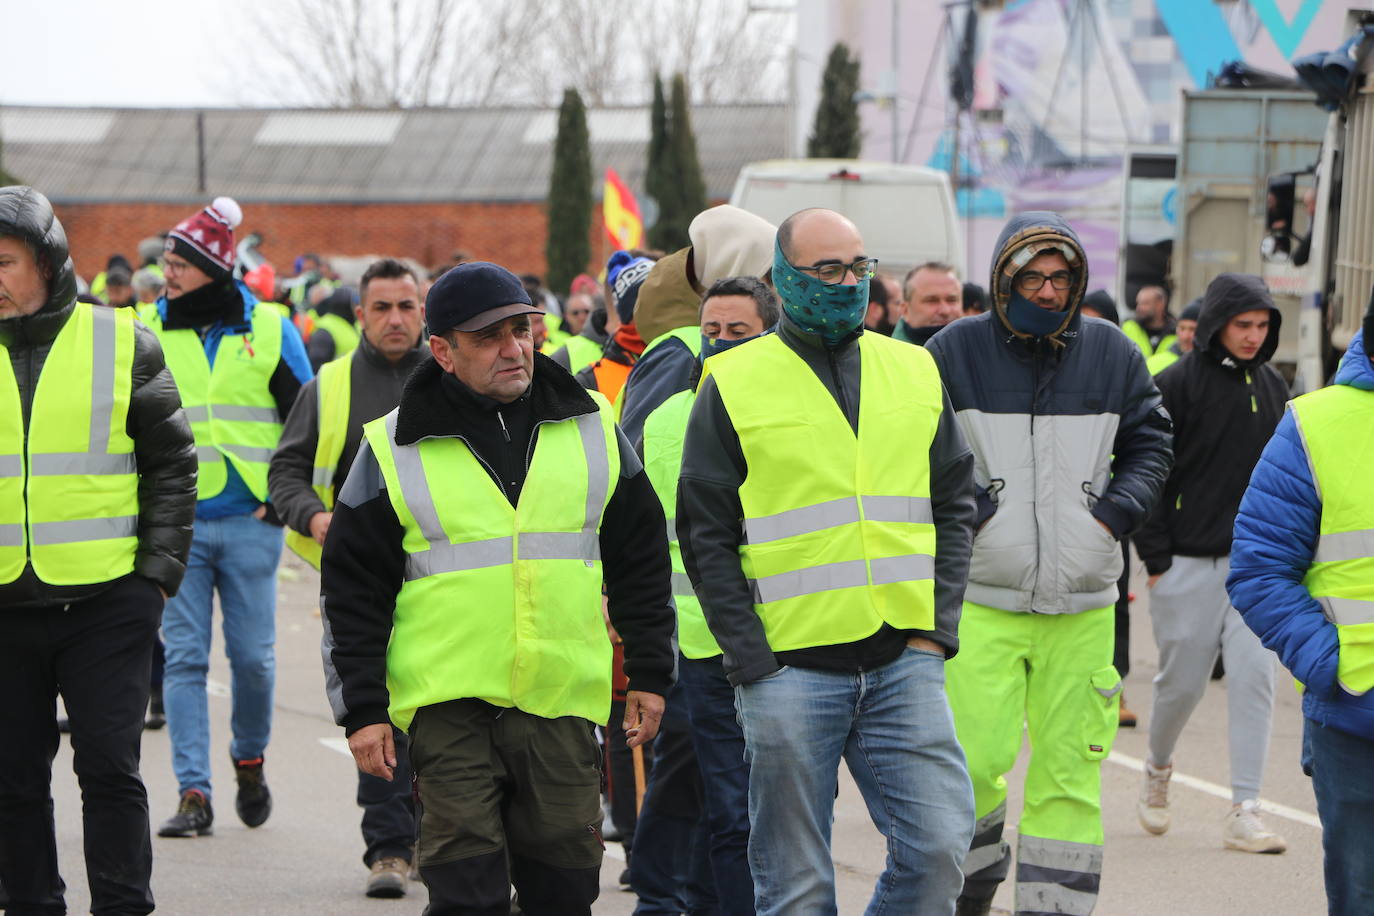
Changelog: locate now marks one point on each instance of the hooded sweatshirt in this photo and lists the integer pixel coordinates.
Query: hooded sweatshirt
(1067, 433)
(1224, 411)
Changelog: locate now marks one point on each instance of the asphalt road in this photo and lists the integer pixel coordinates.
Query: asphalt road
(307, 858)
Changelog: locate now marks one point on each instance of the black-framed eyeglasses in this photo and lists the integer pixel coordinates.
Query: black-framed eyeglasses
(863, 269)
(1031, 280)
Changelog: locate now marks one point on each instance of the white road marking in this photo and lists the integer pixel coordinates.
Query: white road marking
(341, 745)
(1293, 814)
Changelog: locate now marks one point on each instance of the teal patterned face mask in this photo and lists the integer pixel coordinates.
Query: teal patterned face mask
(832, 311)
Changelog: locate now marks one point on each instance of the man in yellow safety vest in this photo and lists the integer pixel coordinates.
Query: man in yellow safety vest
(462, 596)
(97, 496)
(321, 436)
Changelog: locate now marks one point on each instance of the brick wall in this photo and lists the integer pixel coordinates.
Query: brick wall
(511, 234)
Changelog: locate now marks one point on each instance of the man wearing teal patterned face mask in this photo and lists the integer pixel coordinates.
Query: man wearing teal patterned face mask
(824, 511)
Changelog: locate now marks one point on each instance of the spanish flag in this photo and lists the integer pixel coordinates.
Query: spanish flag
(620, 213)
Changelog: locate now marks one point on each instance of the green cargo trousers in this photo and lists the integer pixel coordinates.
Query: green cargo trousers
(506, 798)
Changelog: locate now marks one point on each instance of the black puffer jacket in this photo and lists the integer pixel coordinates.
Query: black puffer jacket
(163, 445)
(1224, 410)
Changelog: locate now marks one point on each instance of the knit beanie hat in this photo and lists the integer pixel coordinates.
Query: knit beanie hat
(206, 238)
(625, 274)
(1192, 311)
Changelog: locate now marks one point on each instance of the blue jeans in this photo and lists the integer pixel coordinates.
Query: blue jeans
(892, 725)
(236, 556)
(719, 743)
(1339, 764)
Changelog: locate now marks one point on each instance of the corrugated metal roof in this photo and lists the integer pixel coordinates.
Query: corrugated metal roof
(79, 155)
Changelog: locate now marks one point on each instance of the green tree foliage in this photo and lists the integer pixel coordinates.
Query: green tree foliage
(568, 248)
(835, 134)
(657, 180)
(677, 183)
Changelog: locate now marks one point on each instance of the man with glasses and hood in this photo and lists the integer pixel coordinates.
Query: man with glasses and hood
(1071, 448)
(824, 511)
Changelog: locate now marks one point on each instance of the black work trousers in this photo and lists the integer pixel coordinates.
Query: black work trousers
(99, 654)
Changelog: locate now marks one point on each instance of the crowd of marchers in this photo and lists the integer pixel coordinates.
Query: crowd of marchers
(649, 558)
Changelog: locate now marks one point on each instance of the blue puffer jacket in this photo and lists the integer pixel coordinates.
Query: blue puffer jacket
(1274, 542)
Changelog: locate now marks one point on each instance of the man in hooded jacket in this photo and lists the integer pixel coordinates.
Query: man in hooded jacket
(97, 496)
(1071, 447)
(1225, 402)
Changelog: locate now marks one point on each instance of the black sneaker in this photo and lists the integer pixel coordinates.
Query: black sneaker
(157, 716)
(254, 801)
(194, 817)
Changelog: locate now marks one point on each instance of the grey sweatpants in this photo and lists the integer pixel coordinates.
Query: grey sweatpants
(1192, 618)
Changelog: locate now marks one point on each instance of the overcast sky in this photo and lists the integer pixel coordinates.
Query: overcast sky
(136, 53)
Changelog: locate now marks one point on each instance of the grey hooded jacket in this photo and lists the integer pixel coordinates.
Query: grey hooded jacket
(1064, 436)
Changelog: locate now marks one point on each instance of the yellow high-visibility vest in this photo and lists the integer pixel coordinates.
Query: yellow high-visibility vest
(501, 603)
(839, 535)
(1337, 427)
(333, 391)
(69, 490)
(230, 406)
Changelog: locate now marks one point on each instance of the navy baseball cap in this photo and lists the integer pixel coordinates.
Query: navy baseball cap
(474, 296)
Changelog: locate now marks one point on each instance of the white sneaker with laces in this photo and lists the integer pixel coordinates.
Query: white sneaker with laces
(1244, 830)
(1153, 807)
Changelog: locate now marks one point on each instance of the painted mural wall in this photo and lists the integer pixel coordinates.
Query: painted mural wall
(1062, 88)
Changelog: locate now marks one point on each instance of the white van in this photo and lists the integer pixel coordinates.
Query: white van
(904, 212)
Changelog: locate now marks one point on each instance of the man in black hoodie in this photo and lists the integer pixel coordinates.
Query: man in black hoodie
(97, 497)
(461, 590)
(1225, 402)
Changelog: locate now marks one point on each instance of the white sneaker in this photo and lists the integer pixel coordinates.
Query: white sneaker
(1153, 807)
(1244, 830)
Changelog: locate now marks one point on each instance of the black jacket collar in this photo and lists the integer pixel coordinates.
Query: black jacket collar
(431, 407)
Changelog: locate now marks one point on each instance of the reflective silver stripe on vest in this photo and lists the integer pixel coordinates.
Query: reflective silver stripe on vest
(672, 530)
(780, 587)
(11, 535)
(1345, 546)
(197, 414)
(446, 557)
(11, 466)
(836, 512)
(250, 453)
(913, 509)
(237, 412)
(682, 586)
(1347, 612)
(560, 545)
(443, 556)
(103, 344)
(208, 453)
(805, 520)
(890, 570)
(83, 529)
(59, 463)
(321, 477)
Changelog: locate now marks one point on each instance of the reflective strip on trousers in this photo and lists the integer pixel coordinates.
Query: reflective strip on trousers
(1346, 612)
(444, 556)
(64, 463)
(834, 513)
(1057, 876)
(83, 529)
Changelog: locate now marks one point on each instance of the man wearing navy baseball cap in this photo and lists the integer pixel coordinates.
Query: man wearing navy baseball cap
(461, 586)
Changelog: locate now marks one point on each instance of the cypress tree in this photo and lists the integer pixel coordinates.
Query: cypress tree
(691, 185)
(835, 134)
(568, 248)
(657, 181)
